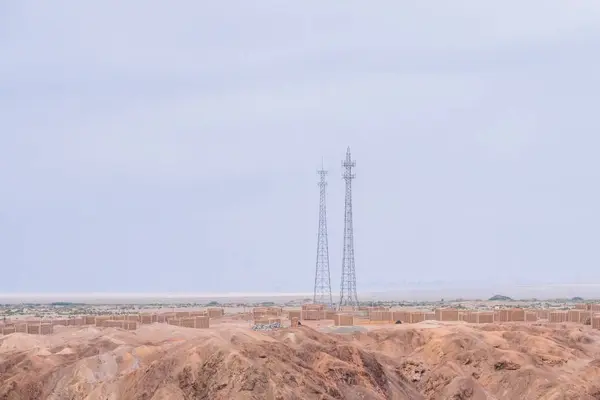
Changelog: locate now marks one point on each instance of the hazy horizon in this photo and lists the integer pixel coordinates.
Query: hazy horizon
(146, 147)
(410, 293)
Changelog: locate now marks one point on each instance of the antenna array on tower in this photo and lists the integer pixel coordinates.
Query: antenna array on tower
(348, 296)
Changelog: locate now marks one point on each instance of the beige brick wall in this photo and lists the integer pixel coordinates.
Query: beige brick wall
(386, 316)
(198, 313)
(265, 312)
(485, 317)
(513, 314)
(343, 320)
(46, 329)
(584, 316)
(446, 314)
(7, 330)
(276, 311)
(313, 315)
(530, 316)
(472, 317)
(295, 314)
(33, 329)
(416, 317)
(215, 312)
(110, 323)
(403, 316)
(375, 315)
(99, 320)
(167, 316)
(543, 314)
(202, 322)
(130, 325)
(379, 308)
(573, 315)
(430, 316)
(517, 314)
(306, 307)
(260, 310)
(121, 324)
(187, 322)
(558, 316)
(504, 315)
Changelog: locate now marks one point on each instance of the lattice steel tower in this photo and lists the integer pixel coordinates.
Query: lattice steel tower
(348, 296)
(322, 275)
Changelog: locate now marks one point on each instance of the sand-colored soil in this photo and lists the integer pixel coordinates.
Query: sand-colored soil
(230, 361)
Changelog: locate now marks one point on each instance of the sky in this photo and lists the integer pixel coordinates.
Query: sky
(151, 146)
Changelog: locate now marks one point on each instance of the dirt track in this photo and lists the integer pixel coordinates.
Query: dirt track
(422, 361)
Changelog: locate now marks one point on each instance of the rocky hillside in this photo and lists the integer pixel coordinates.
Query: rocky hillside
(403, 362)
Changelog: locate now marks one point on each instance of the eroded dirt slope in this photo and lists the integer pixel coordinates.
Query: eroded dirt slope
(402, 362)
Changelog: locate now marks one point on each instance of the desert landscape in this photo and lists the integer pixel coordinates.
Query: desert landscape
(244, 356)
(299, 200)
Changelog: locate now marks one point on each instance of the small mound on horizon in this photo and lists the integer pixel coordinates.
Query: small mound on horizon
(499, 297)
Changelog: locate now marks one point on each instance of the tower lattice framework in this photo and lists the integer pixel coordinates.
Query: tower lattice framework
(322, 293)
(348, 296)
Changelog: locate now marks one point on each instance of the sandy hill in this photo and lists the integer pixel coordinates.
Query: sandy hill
(422, 361)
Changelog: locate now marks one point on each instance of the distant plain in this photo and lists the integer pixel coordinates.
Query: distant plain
(421, 292)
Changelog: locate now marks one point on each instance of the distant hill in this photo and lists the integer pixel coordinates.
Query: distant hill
(499, 297)
(576, 298)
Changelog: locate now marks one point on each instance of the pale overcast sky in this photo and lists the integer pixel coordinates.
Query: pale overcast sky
(153, 146)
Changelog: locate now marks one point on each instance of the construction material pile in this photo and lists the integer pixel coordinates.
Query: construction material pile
(266, 327)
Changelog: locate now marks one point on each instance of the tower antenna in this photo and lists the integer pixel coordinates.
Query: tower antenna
(348, 296)
(322, 293)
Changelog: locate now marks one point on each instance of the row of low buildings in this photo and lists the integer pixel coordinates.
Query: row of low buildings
(189, 319)
(584, 314)
(308, 312)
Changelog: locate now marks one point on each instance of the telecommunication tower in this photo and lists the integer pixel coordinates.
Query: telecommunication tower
(348, 296)
(322, 276)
